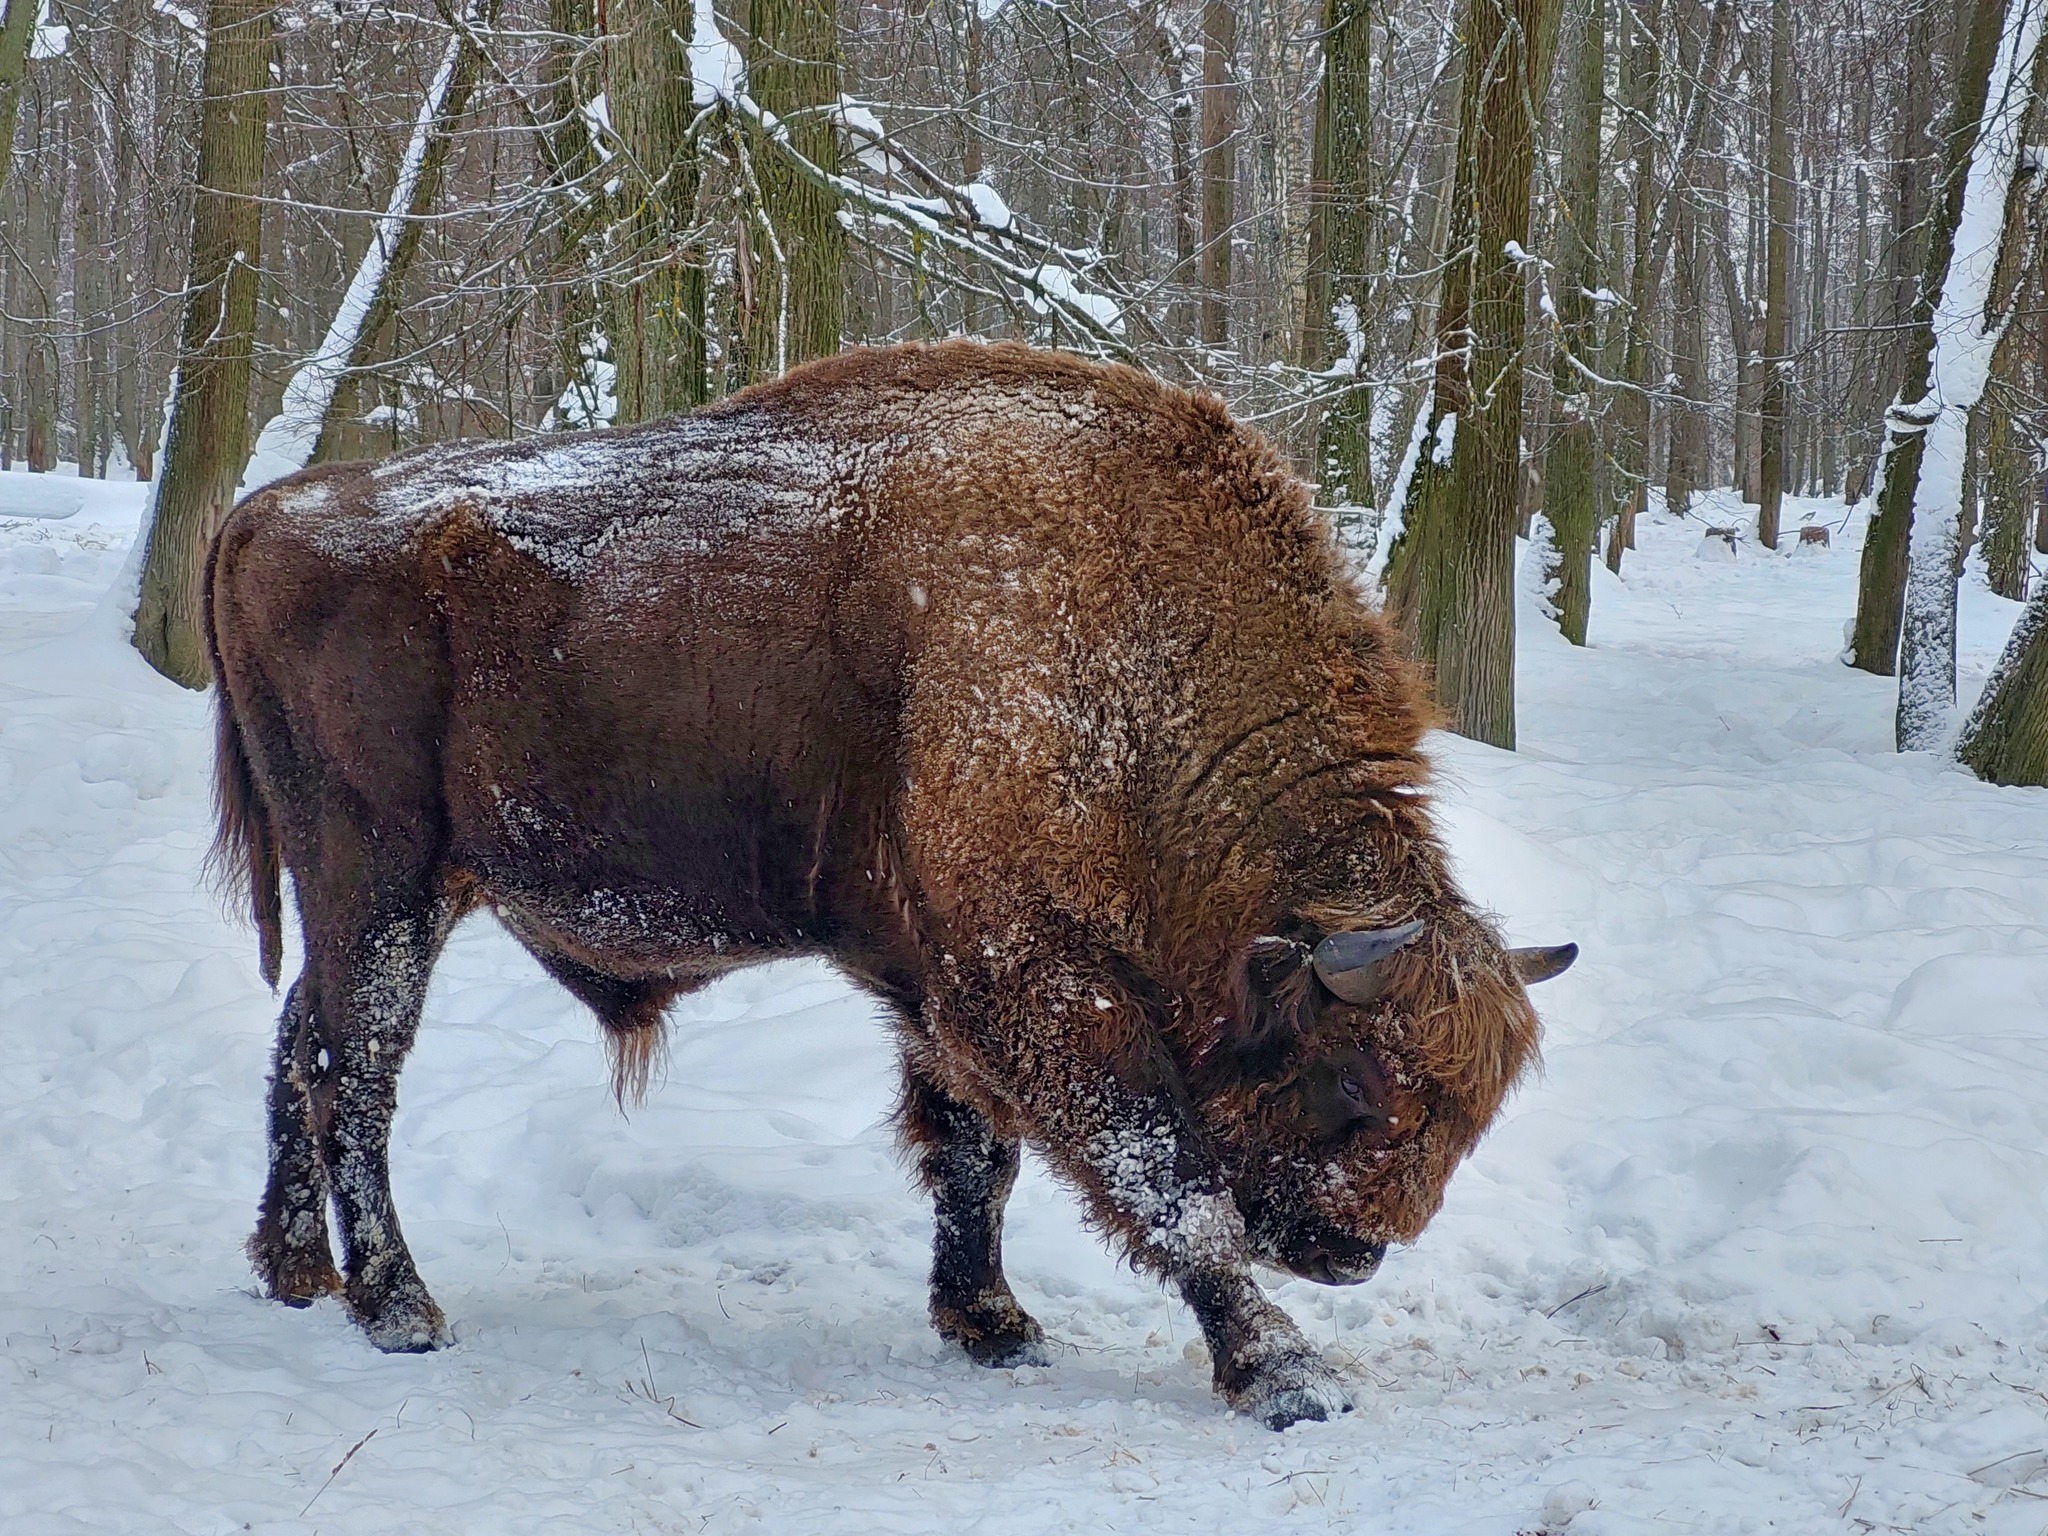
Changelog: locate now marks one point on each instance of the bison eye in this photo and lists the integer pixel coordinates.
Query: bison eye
(1351, 1089)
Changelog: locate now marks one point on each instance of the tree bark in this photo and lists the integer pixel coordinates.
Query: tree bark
(1632, 407)
(17, 31)
(2006, 739)
(1571, 463)
(395, 243)
(1451, 576)
(1777, 283)
(797, 265)
(209, 431)
(1219, 165)
(1335, 303)
(1979, 280)
(1881, 585)
(657, 311)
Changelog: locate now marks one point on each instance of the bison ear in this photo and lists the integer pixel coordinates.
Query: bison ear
(1534, 965)
(1273, 981)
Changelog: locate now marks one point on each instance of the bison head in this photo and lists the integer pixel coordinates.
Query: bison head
(1354, 1068)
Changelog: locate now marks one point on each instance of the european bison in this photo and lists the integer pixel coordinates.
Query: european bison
(1027, 690)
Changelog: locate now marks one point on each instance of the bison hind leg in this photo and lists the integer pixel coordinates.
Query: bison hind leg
(970, 1171)
(290, 1248)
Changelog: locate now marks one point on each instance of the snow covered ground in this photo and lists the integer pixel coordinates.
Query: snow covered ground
(1766, 1248)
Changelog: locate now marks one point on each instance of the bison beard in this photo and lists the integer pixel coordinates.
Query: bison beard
(1027, 690)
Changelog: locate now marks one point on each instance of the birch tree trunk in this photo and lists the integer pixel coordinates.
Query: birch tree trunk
(1965, 326)
(209, 430)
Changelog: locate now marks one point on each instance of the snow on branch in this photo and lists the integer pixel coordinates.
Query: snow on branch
(970, 222)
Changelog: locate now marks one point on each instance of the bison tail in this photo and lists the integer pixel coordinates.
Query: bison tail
(243, 862)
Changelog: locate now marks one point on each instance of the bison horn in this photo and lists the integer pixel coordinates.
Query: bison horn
(1349, 963)
(1534, 965)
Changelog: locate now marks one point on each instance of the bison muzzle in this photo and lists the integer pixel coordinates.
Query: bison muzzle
(1029, 691)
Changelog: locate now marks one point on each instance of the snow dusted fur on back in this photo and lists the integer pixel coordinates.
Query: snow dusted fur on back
(1027, 689)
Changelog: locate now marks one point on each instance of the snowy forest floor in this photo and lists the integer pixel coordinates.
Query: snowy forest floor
(1764, 1248)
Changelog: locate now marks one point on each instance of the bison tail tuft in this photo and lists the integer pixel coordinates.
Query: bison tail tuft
(243, 862)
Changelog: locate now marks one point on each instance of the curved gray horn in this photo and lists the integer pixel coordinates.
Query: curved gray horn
(1534, 965)
(1349, 963)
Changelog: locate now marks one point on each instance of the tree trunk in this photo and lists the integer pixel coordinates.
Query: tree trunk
(1686, 469)
(1335, 303)
(1219, 165)
(1777, 283)
(797, 264)
(580, 211)
(1451, 577)
(38, 270)
(1632, 406)
(17, 31)
(1881, 584)
(1571, 463)
(209, 432)
(657, 312)
(2011, 487)
(2006, 740)
(347, 358)
(1979, 279)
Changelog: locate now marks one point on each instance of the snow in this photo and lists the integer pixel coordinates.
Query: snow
(717, 73)
(51, 38)
(1763, 1249)
(1059, 284)
(990, 211)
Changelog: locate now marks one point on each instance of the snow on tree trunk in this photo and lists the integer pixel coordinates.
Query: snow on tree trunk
(288, 439)
(1966, 334)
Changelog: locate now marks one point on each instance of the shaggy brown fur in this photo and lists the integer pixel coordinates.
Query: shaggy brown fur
(1027, 689)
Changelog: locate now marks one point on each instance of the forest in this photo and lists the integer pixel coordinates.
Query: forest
(1671, 377)
(1471, 263)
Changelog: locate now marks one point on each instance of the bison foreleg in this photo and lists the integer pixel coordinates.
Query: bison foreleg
(1153, 1180)
(970, 1171)
(1112, 1116)
(289, 1248)
(1264, 1367)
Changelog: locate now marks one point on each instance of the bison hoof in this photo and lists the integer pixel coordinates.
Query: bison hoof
(1298, 1389)
(407, 1323)
(999, 1336)
(300, 1285)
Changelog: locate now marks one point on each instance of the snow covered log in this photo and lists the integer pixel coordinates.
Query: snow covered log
(917, 660)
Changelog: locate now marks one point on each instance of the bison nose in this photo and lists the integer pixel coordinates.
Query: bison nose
(1348, 1264)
